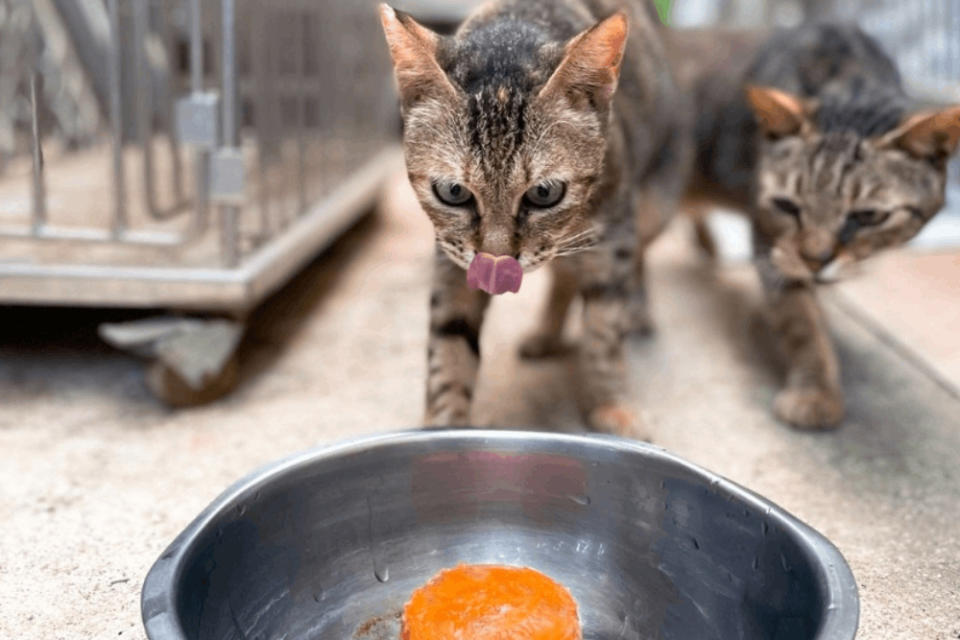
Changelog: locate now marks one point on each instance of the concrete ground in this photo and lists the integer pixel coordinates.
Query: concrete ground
(97, 478)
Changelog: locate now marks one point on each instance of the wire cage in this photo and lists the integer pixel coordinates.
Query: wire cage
(183, 154)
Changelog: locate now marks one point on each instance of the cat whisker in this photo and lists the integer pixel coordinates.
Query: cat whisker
(577, 243)
(587, 233)
(574, 251)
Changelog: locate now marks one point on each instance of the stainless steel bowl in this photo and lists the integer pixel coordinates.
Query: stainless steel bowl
(330, 544)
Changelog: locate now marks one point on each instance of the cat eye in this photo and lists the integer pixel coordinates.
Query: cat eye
(545, 194)
(787, 206)
(868, 217)
(452, 193)
(859, 219)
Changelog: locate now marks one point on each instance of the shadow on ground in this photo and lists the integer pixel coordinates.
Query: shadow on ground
(58, 348)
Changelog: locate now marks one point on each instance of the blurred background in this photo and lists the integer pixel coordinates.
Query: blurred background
(185, 191)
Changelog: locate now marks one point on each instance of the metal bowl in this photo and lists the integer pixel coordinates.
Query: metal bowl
(330, 544)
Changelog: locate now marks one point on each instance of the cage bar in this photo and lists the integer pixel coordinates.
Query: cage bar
(39, 204)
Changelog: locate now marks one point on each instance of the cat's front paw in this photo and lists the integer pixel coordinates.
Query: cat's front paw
(448, 417)
(618, 420)
(810, 409)
(543, 345)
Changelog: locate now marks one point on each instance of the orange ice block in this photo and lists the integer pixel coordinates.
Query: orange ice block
(486, 602)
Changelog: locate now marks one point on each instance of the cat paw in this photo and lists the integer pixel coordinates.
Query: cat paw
(617, 420)
(809, 409)
(447, 417)
(541, 345)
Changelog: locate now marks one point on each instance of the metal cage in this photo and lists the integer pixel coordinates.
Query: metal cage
(183, 154)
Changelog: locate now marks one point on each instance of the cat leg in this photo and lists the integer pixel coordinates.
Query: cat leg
(605, 281)
(547, 339)
(812, 397)
(453, 348)
(641, 323)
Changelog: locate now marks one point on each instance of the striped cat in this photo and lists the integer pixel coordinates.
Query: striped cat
(811, 132)
(540, 134)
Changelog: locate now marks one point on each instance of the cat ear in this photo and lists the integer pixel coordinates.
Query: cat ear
(413, 48)
(931, 134)
(777, 112)
(591, 65)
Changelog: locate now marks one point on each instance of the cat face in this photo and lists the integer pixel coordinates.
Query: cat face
(830, 198)
(505, 158)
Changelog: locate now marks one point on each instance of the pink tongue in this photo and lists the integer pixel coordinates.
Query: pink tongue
(494, 274)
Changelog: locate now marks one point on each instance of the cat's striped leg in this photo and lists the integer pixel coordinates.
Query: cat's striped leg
(453, 351)
(605, 282)
(812, 397)
(546, 340)
(641, 323)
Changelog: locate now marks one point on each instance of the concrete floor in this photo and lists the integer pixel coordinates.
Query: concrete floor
(915, 298)
(97, 478)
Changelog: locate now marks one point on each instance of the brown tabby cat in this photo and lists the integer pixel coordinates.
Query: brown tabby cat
(831, 160)
(523, 152)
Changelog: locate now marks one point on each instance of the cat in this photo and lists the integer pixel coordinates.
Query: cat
(810, 131)
(540, 133)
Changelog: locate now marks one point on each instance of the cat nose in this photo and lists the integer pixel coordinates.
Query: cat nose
(817, 249)
(820, 258)
(497, 244)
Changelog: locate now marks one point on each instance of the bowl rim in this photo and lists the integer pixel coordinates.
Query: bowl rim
(831, 570)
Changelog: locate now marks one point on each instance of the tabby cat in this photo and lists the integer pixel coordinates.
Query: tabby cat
(811, 132)
(539, 133)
